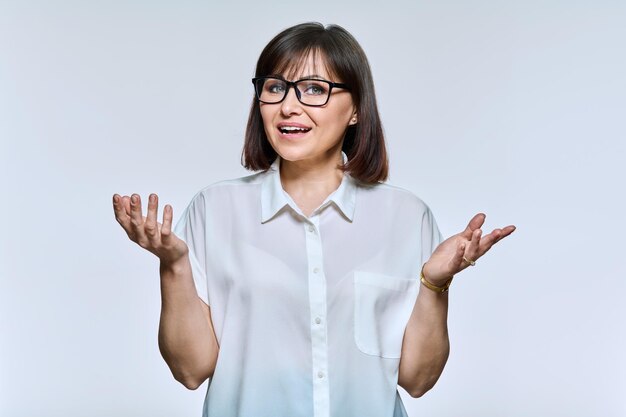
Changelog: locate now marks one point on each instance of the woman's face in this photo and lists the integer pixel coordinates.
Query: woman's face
(327, 125)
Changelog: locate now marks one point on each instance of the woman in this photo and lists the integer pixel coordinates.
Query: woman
(310, 288)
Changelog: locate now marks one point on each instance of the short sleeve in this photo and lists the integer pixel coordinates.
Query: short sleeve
(191, 228)
(431, 236)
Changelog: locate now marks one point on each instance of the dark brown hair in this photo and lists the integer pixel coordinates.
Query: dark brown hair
(364, 142)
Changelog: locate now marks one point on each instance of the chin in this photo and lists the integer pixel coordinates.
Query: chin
(298, 151)
(291, 152)
(292, 155)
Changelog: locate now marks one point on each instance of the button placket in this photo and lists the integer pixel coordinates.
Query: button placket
(317, 302)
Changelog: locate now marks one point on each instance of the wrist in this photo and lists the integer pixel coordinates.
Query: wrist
(434, 276)
(440, 285)
(175, 266)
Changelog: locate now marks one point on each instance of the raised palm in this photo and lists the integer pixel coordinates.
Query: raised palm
(453, 254)
(146, 231)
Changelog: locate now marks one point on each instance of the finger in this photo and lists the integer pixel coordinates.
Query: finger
(166, 227)
(476, 222)
(136, 219)
(488, 241)
(471, 253)
(506, 231)
(494, 237)
(456, 263)
(121, 215)
(126, 205)
(150, 226)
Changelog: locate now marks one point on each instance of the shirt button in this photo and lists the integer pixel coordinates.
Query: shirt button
(311, 229)
(316, 270)
(320, 374)
(318, 320)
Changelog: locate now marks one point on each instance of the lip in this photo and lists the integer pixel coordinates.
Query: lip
(297, 135)
(292, 124)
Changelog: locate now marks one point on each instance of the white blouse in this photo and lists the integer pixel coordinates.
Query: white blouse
(309, 312)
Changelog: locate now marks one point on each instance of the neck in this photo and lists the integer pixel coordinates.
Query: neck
(316, 176)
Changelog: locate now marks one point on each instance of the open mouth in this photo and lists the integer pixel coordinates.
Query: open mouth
(293, 130)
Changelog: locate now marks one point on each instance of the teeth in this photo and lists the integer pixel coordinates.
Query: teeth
(293, 129)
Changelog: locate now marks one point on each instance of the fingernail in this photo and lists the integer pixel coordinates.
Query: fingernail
(133, 199)
(152, 198)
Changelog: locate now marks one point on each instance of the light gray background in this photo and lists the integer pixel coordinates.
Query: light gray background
(515, 109)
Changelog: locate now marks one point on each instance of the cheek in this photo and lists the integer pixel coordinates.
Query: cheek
(266, 119)
(330, 119)
(264, 115)
(336, 121)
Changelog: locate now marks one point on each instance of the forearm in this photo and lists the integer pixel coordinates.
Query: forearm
(186, 337)
(425, 346)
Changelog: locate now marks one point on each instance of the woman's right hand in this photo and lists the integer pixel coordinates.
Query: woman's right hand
(146, 231)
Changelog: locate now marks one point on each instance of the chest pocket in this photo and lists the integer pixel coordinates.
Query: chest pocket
(382, 308)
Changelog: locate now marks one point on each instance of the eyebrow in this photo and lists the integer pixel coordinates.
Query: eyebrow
(317, 76)
(312, 76)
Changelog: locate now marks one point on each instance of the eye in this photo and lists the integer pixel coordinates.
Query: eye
(274, 87)
(314, 88)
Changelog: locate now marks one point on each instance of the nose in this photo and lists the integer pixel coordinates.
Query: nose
(291, 105)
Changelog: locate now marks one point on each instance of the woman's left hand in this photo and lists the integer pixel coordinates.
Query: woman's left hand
(447, 260)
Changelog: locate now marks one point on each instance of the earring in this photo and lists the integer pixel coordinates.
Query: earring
(353, 120)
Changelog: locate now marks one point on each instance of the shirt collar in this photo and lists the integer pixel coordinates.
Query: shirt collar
(274, 197)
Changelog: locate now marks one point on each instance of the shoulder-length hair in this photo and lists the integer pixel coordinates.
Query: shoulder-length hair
(364, 142)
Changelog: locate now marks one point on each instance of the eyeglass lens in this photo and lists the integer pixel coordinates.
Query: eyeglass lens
(312, 92)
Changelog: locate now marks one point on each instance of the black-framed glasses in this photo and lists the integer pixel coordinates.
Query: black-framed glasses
(310, 91)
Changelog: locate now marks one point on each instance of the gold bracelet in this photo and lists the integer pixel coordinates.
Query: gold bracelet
(433, 287)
